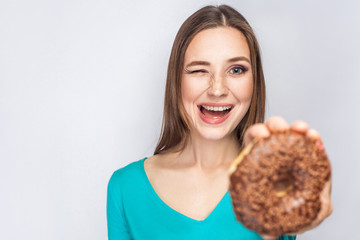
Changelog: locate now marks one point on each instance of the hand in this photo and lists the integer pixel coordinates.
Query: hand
(278, 124)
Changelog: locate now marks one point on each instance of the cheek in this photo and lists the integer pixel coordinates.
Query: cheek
(191, 90)
(185, 91)
(244, 89)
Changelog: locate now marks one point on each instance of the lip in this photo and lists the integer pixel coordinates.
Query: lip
(214, 121)
(215, 104)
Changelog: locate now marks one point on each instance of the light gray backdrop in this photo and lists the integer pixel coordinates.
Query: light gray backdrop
(81, 94)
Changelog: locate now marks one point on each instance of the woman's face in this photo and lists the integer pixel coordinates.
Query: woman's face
(217, 82)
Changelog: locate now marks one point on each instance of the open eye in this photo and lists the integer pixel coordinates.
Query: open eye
(238, 70)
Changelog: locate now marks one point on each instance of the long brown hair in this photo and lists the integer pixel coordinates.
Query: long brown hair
(175, 123)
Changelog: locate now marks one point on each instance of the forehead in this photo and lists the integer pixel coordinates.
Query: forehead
(217, 44)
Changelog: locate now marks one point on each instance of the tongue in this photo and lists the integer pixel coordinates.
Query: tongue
(213, 114)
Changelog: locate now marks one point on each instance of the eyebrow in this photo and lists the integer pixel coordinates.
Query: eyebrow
(204, 63)
(242, 58)
(195, 63)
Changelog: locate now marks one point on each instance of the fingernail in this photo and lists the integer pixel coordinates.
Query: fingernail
(320, 145)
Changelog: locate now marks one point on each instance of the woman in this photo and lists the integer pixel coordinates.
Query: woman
(215, 91)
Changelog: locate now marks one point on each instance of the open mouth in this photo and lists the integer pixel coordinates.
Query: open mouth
(214, 112)
(211, 114)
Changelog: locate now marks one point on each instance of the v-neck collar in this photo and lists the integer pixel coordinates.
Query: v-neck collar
(157, 198)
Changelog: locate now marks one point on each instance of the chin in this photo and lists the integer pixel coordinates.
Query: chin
(214, 134)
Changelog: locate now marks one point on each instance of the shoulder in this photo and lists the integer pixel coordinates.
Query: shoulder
(161, 161)
(127, 174)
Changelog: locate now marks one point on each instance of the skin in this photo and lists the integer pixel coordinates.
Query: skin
(278, 124)
(221, 81)
(194, 180)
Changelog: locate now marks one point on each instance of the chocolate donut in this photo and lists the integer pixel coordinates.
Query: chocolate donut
(275, 183)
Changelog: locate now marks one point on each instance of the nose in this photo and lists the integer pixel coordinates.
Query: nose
(218, 87)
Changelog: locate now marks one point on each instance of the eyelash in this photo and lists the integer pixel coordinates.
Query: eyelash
(242, 68)
(195, 71)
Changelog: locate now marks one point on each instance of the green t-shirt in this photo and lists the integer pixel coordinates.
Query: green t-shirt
(135, 211)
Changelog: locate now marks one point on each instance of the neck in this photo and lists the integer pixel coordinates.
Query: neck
(210, 154)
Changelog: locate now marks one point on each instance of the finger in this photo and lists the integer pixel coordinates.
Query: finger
(268, 237)
(313, 134)
(330, 210)
(299, 126)
(325, 193)
(258, 130)
(277, 124)
(325, 210)
(326, 204)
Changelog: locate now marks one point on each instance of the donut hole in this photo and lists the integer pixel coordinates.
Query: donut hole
(283, 184)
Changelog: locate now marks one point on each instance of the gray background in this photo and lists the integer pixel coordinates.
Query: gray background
(81, 94)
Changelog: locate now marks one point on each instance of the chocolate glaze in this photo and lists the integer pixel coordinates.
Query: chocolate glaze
(275, 188)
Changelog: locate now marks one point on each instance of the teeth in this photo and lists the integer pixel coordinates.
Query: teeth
(213, 108)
